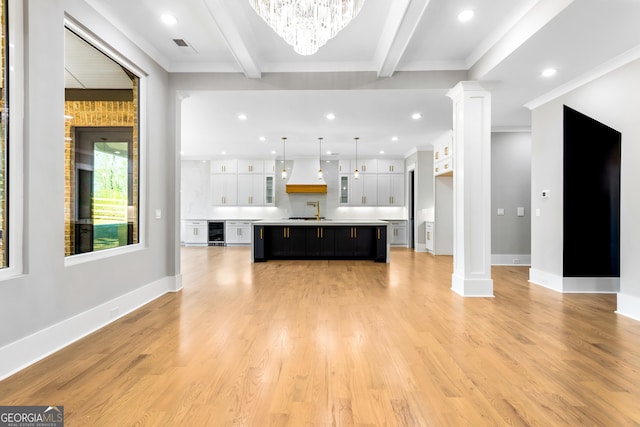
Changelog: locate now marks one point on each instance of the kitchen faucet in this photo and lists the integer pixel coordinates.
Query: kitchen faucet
(316, 204)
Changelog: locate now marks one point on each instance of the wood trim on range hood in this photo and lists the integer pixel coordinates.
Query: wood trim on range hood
(306, 188)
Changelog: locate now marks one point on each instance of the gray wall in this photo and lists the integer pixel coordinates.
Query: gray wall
(510, 189)
(49, 292)
(613, 99)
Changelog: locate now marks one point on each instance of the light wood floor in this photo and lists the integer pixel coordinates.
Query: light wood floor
(341, 343)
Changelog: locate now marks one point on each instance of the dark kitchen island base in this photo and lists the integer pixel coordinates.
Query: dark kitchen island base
(291, 239)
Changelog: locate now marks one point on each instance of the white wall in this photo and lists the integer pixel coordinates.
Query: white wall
(614, 100)
(510, 189)
(52, 303)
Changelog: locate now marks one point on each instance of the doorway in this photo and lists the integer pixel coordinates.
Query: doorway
(412, 210)
(104, 183)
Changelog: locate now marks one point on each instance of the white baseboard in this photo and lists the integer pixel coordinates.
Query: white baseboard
(471, 287)
(629, 306)
(28, 350)
(574, 285)
(510, 259)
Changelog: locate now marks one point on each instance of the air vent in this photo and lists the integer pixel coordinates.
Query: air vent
(180, 42)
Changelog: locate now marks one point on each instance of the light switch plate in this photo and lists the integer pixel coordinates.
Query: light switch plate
(520, 211)
(500, 211)
(158, 213)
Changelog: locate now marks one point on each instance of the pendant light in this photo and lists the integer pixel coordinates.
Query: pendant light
(320, 159)
(356, 174)
(284, 158)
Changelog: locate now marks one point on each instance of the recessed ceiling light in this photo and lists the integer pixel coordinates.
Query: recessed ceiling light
(242, 116)
(416, 116)
(224, 152)
(331, 116)
(381, 151)
(273, 152)
(328, 152)
(182, 153)
(465, 15)
(394, 138)
(262, 138)
(549, 72)
(168, 19)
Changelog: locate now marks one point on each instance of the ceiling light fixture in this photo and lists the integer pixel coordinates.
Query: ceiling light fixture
(307, 24)
(416, 116)
(356, 174)
(394, 138)
(330, 116)
(549, 72)
(466, 15)
(242, 116)
(168, 19)
(320, 159)
(284, 159)
(262, 138)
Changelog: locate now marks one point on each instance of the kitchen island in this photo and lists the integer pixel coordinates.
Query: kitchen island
(319, 239)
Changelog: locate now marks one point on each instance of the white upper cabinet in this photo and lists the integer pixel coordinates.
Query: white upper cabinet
(224, 166)
(390, 190)
(365, 166)
(224, 189)
(390, 166)
(251, 189)
(443, 157)
(250, 166)
(364, 191)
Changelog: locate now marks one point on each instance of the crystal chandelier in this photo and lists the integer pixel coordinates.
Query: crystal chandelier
(307, 24)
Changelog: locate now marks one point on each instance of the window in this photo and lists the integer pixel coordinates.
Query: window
(101, 150)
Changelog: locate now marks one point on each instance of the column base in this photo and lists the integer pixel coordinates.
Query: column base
(471, 287)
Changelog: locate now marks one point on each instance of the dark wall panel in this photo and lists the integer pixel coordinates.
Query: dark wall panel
(592, 154)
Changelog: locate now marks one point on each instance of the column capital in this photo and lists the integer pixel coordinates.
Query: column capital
(465, 86)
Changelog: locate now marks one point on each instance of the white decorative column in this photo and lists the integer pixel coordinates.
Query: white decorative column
(471, 190)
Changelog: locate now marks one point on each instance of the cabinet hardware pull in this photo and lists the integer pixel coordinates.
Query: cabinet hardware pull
(428, 235)
(355, 232)
(318, 232)
(260, 233)
(321, 233)
(378, 234)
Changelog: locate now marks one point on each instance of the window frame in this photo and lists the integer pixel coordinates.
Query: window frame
(103, 47)
(15, 153)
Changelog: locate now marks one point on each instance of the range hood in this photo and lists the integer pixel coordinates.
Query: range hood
(304, 177)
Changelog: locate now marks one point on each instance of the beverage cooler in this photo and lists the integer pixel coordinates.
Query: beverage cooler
(216, 233)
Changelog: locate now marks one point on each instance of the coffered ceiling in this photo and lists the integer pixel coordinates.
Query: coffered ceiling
(505, 46)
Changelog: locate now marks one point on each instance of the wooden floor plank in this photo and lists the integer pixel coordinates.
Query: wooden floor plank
(346, 343)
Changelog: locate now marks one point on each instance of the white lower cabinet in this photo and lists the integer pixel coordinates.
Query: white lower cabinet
(397, 233)
(238, 232)
(196, 233)
(429, 228)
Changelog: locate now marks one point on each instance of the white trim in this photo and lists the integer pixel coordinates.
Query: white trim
(590, 285)
(28, 350)
(471, 287)
(597, 72)
(15, 160)
(628, 306)
(574, 285)
(511, 259)
(98, 43)
(546, 280)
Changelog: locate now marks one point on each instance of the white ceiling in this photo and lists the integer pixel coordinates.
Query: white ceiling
(505, 47)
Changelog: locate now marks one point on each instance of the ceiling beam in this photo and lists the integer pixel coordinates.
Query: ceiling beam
(231, 33)
(404, 17)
